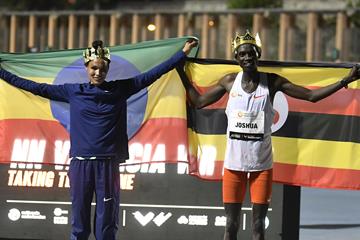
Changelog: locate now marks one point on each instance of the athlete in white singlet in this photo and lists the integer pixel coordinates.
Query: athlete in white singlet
(249, 110)
(250, 116)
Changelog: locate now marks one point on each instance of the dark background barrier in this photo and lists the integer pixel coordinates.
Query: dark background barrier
(35, 204)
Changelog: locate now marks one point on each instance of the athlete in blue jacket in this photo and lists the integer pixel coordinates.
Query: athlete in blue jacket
(98, 134)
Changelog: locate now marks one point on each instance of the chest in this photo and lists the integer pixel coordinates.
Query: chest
(245, 101)
(97, 102)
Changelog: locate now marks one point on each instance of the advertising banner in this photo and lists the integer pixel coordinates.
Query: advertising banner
(154, 205)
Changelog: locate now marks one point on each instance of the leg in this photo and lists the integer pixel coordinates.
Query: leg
(81, 191)
(234, 186)
(107, 199)
(232, 212)
(260, 190)
(258, 221)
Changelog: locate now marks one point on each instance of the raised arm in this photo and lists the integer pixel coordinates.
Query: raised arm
(211, 96)
(54, 92)
(145, 79)
(299, 92)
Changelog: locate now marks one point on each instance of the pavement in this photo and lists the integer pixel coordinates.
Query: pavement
(329, 214)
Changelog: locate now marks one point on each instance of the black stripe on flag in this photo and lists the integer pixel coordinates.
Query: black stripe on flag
(331, 127)
(207, 121)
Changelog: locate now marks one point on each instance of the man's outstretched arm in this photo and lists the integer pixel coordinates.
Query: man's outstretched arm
(315, 95)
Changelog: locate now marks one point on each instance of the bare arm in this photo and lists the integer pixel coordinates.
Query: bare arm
(211, 96)
(299, 92)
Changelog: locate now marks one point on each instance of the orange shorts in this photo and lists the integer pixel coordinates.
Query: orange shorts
(234, 186)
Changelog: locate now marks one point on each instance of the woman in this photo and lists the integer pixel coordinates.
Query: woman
(98, 134)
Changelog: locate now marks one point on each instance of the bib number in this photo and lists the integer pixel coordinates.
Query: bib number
(247, 126)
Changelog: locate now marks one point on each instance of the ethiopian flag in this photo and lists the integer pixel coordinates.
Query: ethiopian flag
(35, 130)
(314, 144)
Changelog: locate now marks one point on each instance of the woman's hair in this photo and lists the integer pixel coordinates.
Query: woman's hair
(97, 43)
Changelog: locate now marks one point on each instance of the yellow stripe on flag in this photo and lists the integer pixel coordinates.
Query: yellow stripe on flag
(316, 153)
(19, 104)
(205, 75)
(311, 76)
(202, 140)
(166, 98)
(208, 75)
(306, 152)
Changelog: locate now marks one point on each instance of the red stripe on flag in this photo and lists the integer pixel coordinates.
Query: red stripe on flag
(343, 102)
(195, 169)
(172, 132)
(219, 104)
(31, 129)
(316, 176)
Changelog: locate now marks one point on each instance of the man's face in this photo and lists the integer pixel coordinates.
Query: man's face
(97, 70)
(247, 57)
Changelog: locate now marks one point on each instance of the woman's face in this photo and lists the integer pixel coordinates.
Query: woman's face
(97, 70)
(247, 57)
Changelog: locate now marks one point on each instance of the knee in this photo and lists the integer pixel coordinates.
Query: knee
(232, 225)
(259, 225)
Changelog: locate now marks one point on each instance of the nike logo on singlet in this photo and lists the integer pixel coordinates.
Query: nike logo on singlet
(255, 97)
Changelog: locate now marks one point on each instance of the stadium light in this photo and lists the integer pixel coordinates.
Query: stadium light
(151, 27)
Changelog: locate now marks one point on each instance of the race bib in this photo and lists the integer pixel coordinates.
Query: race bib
(248, 126)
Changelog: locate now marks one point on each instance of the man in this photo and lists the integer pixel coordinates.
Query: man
(98, 134)
(248, 157)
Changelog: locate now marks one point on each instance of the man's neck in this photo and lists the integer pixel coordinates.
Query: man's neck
(251, 76)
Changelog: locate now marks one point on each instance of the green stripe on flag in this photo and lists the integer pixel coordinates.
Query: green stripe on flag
(48, 64)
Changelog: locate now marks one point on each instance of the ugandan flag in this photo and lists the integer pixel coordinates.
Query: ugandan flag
(35, 130)
(314, 144)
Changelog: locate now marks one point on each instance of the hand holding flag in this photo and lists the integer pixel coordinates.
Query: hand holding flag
(353, 76)
(190, 44)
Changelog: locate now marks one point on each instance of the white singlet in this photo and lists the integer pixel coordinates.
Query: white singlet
(250, 116)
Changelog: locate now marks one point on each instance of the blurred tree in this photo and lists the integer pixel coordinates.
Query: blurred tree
(354, 16)
(254, 3)
(21, 5)
(353, 3)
